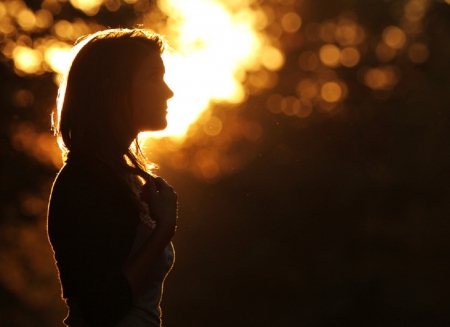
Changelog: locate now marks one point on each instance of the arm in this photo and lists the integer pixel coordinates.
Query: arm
(92, 230)
(162, 201)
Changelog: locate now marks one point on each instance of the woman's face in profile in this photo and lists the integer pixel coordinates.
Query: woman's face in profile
(150, 94)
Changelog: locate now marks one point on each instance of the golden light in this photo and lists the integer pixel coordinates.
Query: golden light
(261, 79)
(329, 54)
(8, 48)
(27, 60)
(26, 19)
(2, 10)
(331, 92)
(6, 26)
(394, 37)
(220, 51)
(24, 40)
(44, 18)
(206, 160)
(51, 5)
(305, 110)
(415, 10)
(214, 45)
(63, 29)
(15, 7)
(89, 7)
(307, 89)
(327, 32)
(325, 106)
(349, 33)
(349, 57)
(383, 78)
(57, 56)
(112, 5)
(41, 146)
(418, 53)
(414, 13)
(291, 22)
(80, 28)
(272, 58)
(213, 126)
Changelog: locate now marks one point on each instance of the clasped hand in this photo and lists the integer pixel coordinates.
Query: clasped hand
(162, 202)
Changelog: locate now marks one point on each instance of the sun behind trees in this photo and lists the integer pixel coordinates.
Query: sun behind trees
(286, 63)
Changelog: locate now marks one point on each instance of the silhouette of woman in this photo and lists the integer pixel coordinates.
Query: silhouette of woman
(110, 222)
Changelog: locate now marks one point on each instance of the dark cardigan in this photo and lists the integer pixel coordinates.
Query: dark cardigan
(92, 226)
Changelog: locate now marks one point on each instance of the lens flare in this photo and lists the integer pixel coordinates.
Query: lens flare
(214, 45)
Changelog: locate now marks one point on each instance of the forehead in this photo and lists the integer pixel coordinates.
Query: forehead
(151, 61)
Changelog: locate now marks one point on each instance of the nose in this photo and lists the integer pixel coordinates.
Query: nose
(169, 91)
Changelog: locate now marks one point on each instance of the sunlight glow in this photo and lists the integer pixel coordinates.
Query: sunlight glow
(349, 57)
(291, 22)
(394, 37)
(382, 78)
(329, 54)
(26, 59)
(58, 56)
(219, 51)
(214, 46)
(89, 7)
(26, 19)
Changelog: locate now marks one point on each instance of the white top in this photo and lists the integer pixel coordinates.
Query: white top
(146, 311)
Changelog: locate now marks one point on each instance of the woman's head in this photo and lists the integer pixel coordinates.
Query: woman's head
(113, 90)
(149, 95)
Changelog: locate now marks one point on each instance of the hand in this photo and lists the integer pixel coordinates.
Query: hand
(162, 201)
(162, 204)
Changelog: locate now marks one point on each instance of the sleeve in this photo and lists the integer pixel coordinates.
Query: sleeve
(92, 231)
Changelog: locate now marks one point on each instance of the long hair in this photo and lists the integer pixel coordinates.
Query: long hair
(94, 113)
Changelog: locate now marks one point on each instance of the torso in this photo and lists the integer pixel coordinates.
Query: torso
(93, 230)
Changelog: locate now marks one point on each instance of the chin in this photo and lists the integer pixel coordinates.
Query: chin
(155, 127)
(163, 125)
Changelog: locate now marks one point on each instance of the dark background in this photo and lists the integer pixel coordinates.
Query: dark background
(337, 219)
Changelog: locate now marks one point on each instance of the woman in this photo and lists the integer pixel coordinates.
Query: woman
(110, 221)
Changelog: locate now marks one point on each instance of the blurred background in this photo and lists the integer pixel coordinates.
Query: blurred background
(308, 141)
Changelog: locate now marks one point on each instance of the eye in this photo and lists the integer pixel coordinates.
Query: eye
(156, 76)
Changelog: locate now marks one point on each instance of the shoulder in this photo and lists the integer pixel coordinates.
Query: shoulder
(84, 178)
(82, 171)
(84, 196)
(84, 184)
